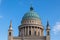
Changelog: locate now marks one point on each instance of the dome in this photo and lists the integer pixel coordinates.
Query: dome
(31, 24)
(31, 15)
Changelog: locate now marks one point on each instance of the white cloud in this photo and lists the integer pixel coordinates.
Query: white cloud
(56, 28)
(1, 16)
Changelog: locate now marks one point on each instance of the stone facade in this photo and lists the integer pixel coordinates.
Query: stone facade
(30, 38)
(31, 28)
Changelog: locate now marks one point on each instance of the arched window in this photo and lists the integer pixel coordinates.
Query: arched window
(48, 33)
(29, 32)
(9, 33)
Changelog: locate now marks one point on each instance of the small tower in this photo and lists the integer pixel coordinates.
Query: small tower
(47, 31)
(10, 32)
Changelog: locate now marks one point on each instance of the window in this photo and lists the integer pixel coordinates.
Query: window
(48, 33)
(29, 32)
(9, 33)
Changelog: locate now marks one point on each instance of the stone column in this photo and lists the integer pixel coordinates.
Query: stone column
(28, 30)
(37, 31)
(40, 32)
(25, 30)
(34, 31)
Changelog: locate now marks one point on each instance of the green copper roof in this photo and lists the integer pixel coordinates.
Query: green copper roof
(31, 15)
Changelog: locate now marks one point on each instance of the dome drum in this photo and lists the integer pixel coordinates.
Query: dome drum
(31, 28)
(31, 21)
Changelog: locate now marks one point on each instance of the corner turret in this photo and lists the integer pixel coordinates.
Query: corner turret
(10, 32)
(47, 31)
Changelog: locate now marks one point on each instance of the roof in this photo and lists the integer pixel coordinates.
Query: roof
(31, 14)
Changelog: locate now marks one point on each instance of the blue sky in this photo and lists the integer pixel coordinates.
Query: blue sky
(15, 9)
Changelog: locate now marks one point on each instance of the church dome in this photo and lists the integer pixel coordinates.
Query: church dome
(31, 24)
(31, 15)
